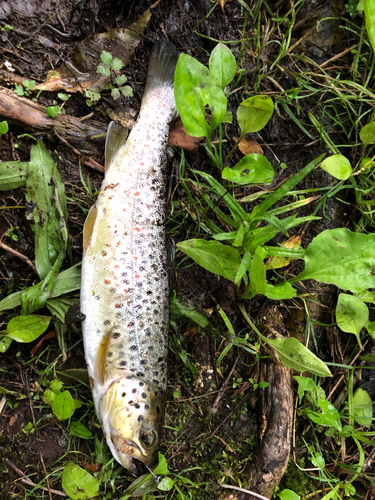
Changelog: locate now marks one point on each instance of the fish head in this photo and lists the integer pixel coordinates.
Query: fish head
(132, 416)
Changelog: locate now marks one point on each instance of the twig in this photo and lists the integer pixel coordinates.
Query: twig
(20, 256)
(28, 481)
(86, 159)
(337, 56)
(46, 475)
(242, 490)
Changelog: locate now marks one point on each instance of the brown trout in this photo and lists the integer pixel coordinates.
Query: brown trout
(125, 291)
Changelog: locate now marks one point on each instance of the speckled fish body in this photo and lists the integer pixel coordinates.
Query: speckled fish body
(125, 291)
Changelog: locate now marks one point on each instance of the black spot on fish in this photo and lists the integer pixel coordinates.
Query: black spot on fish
(148, 332)
(110, 354)
(140, 374)
(141, 384)
(130, 324)
(144, 395)
(130, 402)
(147, 407)
(149, 292)
(137, 406)
(123, 394)
(129, 377)
(134, 348)
(106, 322)
(151, 348)
(143, 362)
(134, 391)
(123, 363)
(140, 418)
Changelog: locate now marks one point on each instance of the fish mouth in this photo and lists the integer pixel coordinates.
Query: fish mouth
(126, 450)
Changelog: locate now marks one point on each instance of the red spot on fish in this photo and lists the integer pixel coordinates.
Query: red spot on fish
(125, 290)
(157, 118)
(117, 305)
(118, 243)
(142, 164)
(136, 229)
(136, 258)
(116, 266)
(137, 276)
(124, 209)
(107, 282)
(137, 193)
(133, 147)
(116, 225)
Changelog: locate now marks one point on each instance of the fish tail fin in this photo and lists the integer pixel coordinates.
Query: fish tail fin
(162, 65)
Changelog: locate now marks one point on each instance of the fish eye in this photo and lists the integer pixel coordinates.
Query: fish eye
(148, 438)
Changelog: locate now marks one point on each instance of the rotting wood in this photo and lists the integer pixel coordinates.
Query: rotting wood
(84, 136)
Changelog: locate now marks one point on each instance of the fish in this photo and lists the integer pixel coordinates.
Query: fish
(125, 286)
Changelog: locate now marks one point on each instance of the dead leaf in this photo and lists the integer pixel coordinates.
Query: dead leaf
(37, 349)
(276, 261)
(80, 72)
(180, 138)
(248, 146)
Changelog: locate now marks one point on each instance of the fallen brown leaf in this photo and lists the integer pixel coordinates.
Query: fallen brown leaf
(37, 349)
(180, 138)
(248, 146)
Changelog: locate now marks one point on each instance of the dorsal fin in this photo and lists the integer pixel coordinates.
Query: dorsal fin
(116, 137)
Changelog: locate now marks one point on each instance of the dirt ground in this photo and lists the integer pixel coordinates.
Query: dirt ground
(214, 438)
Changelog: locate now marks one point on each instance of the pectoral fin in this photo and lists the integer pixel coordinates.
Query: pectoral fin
(89, 226)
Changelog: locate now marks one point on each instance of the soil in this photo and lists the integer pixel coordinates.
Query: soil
(43, 37)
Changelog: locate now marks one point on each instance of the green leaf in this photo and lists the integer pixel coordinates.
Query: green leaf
(254, 113)
(49, 396)
(141, 486)
(213, 256)
(342, 258)
(280, 292)
(295, 355)
(19, 90)
(63, 405)
(53, 111)
(288, 495)
(13, 174)
(367, 133)
(63, 96)
(338, 166)
(318, 460)
(120, 80)
(117, 64)
(103, 70)
(5, 343)
(181, 308)
(368, 6)
(115, 93)
(351, 315)
(56, 385)
(79, 484)
(244, 266)
(27, 328)
(257, 273)
(162, 468)
(328, 417)
(106, 57)
(67, 281)
(3, 128)
(195, 88)
(80, 430)
(362, 408)
(127, 91)
(222, 65)
(45, 192)
(251, 169)
(166, 484)
(305, 384)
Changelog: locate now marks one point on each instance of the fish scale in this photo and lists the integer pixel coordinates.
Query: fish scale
(125, 290)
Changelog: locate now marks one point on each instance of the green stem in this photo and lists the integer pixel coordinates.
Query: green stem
(234, 147)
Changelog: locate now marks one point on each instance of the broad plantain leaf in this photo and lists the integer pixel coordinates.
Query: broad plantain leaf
(338, 166)
(252, 169)
(295, 355)
(362, 407)
(254, 113)
(351, 315)
(63, 405)
(79, 484)
(213, 256)
(222, 65)
(341, 257)
(27, 328)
